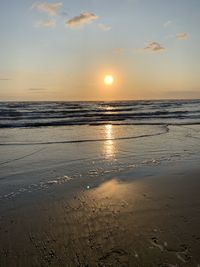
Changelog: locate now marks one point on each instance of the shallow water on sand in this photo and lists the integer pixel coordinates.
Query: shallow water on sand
(33, 159)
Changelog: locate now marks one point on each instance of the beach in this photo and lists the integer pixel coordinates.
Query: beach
(113, 194)
(100, 133)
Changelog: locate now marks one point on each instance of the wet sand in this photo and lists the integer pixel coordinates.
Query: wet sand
(120, 221)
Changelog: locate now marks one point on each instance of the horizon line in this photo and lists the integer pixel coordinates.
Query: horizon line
(115, 100)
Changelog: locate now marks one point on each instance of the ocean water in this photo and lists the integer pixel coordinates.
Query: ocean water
(45, 144)
(37, 114)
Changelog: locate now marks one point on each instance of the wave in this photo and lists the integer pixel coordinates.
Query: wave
(45, 114)
(181, 120)
(75, 113)
(164, 130)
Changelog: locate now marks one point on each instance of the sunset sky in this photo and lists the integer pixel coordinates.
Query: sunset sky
(63, 50)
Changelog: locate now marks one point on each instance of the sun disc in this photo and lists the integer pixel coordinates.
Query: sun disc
(108, 80)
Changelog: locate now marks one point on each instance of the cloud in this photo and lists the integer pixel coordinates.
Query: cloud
(182, 36)
(50, 8)
(167, 23)
(104, 27)
(82, 19)
(37, 89)
(51, 23)
(154, 47)
(5, 79)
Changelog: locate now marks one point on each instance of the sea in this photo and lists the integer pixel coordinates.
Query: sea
(43, 114)
(50, 144)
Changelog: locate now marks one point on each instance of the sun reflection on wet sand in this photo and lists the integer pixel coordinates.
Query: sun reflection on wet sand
(115, 193)
(109, 146)
(112, 188)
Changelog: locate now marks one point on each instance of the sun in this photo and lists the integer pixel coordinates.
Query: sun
(108, 79)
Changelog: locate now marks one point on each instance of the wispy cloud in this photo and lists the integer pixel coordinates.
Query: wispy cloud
(167, 23)
(37, 89)
(51, 9)
(82, 19)
(182, 36)
(154, 47)
(51, 23)
(104, 27)
(5, 79)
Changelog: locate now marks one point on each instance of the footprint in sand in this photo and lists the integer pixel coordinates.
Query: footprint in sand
(114, 256)
(183, 255)
(154, 242)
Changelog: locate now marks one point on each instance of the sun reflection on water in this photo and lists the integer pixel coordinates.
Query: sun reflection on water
(109, 145)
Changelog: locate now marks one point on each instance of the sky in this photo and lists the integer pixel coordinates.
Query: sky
(62, 50)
